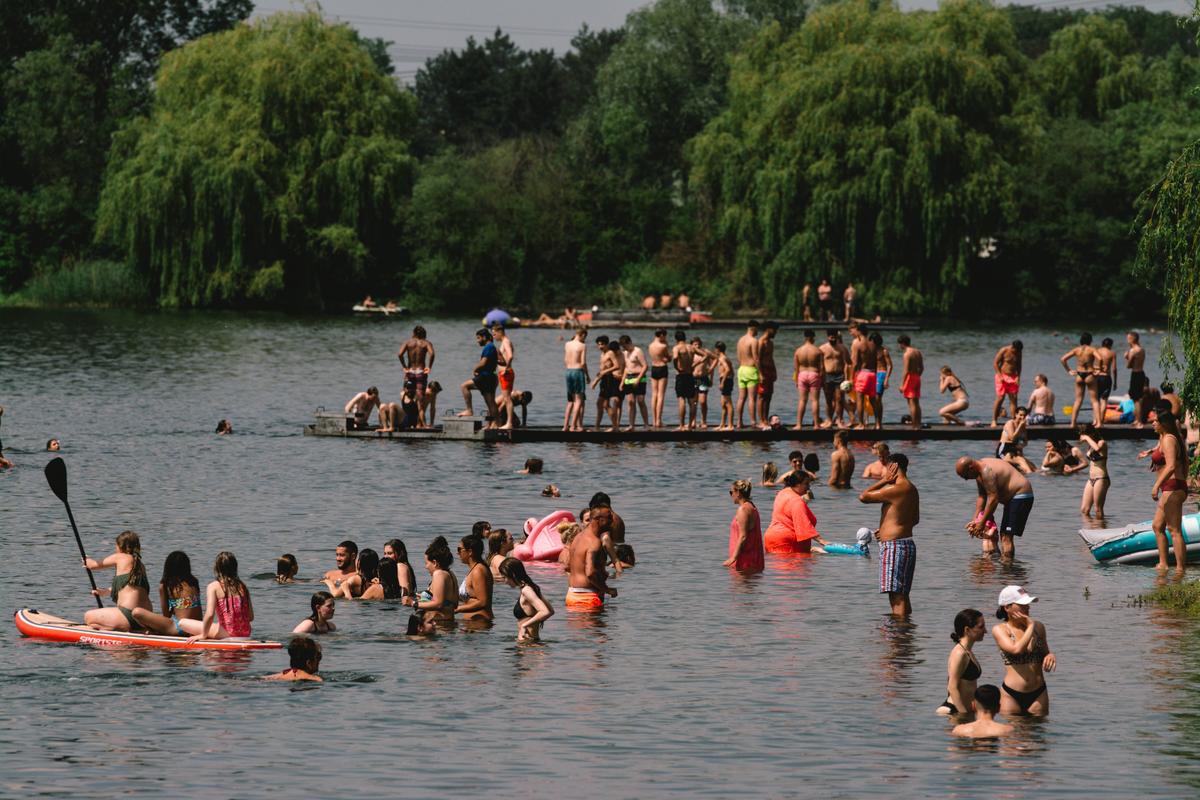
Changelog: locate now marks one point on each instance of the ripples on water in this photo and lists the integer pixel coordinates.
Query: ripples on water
(790, 683)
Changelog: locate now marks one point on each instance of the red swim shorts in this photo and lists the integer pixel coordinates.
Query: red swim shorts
(507, 377)
(1007, 384)
(911, 388)
(865, 383)
(583, 600)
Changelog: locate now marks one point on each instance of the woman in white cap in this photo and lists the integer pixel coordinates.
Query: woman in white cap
(1026, 655)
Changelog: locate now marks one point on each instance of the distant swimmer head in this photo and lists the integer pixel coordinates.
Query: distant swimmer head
(551, 490)
(286, 568)
(224, 426)
(322, 606)
(1085, 338)
(304, 653)
(533, 466)
(719, 347)
(769, 472)
(626, 555)
(53, 446)
(345, 554)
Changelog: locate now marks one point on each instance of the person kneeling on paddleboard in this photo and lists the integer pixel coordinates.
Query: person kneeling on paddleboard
(305, 656)
(130, 590)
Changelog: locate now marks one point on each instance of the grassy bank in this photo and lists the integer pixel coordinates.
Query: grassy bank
(87, 284)
(1183, 597)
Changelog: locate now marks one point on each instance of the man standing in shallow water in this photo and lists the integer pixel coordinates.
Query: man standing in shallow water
(999, 483)
(901, 513)
(587, 577)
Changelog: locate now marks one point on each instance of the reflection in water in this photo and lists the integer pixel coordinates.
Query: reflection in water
(898, 657)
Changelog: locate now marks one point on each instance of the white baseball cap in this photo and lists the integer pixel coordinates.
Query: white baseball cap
(864, 535)
(1015, 594)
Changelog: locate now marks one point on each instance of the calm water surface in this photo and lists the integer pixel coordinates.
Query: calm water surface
(793, 683)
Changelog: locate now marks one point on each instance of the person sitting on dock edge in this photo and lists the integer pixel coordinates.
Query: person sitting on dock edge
(360, 408)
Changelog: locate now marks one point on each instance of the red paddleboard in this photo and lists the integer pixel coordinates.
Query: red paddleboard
(37, 625)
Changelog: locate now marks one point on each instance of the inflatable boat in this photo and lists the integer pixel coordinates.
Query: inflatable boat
(1135, 544)
(37, 625)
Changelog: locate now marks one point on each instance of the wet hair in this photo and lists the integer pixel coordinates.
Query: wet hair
(524, 398)
(614, 346)
(1107, 342)
(130, 544)
(419, 331)
(1085, 338)
(625, 554)
(399, 549)
(177, 571)
(473, 544)
(439, 552)
(373, 391)
(795, 477)
(876, 339)
(225, 569)
(903, 339)
(389, 579)
(660, 331)
(223, 426)
(498, 326)
(967, 618)
(50, 442)
(351, 548)
(1168, 422)
(514, 570)
(987, 697)
(584, 512)
(881, 447)
(496, 540)
(600, 500)
(900, 460)
(484, 333)
(368, 566)
(809, 334)
(680, 336)
(567, 531)
(1017, 344)
(770, 325)
(1137, 337)
(602, 340)
(624, 340)
(434, 386)
(720, 347)
(831, 333)
(795, 455)
(742, 487)
(769, 472)
(841, 437)
(316, 601)
(696, 341)
(1167, 387)
(286, 568)
(946, 370)
(1086, 429)
(480, 528)
(303, 651)
(1043, 377)
(534, 466)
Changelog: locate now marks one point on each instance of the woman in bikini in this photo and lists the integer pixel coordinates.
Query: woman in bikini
(371, 588)
(950, 383)
(500, 544)
(1098, 482)
(179, 597)
(318, 621)
(227, 608)
(130, 589)
(1085, 378)
(1026, 655)
(531, 608)
(437, 603)
(405, 575)
(962, 668)
(1169, 459)
(475, 591)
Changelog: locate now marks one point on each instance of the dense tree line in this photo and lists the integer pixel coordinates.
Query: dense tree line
(975, 160)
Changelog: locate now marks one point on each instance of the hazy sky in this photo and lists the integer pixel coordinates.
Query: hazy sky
(423, 29)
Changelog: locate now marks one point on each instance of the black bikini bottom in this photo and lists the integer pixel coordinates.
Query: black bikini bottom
(1024, 699)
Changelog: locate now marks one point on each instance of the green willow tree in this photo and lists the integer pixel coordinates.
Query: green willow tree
(871, 145)
(270, 170)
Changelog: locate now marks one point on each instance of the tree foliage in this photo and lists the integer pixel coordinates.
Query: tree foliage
(271, 168)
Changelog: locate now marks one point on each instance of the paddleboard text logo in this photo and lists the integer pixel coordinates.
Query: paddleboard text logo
(97, 640)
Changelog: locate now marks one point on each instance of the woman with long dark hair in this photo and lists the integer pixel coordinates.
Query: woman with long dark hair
(962, 667)
(178, 594)
(531, 608)
(406, 577)
(475, 591)
(437, 603)
(318, 621)
(500, 544)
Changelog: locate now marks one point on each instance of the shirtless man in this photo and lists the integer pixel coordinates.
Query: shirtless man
(703, 362)
(346, 558)
(747, 374)
(808, 370)
(725, 382)
(416, 357)
(361, 406)
(504, 373)
(999, 483)
(910, 377)
(1085, 378)
(878, 468)
(767, 372)
(987, 706)
(616, 535)
(848, 298)
(825, 300)
(1014, 437)
(612, 367)
(1007, 366)
(863, 358)
(833, 366)
(1106, 372)
(1041, 402)
(901, 513)
(633, 382)
(575, 362)
(883, 376)
(1135, 361)
(587, 577)
(660, 356)
(685, 382)
(841, 462)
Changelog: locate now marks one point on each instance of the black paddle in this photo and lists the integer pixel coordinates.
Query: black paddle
(56, 476)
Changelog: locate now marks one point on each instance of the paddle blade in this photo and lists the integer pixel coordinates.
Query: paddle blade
(812, 463)
(56, 476)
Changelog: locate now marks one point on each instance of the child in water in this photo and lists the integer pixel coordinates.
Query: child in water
(987, 706)
(305, 657)
(286, 568)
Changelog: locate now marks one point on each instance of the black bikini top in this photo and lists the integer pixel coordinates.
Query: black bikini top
(972, 670)
(519, 612)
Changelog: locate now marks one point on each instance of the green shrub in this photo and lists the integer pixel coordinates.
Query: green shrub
(1183, 597)
(92, 284)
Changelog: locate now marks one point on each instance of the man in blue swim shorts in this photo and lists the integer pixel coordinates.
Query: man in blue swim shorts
(901, 513)
(998, 483)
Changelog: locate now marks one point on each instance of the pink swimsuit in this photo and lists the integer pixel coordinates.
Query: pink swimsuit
(233, 615)
(751, 558)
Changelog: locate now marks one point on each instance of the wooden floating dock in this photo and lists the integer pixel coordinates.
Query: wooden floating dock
(470, 429)
(816, 325)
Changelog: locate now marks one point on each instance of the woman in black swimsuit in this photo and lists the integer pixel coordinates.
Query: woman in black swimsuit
(962, 667)
(531, 608)
(949, 382)
(1026, 655)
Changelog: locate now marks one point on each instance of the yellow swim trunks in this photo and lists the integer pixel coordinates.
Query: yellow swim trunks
(748, 376)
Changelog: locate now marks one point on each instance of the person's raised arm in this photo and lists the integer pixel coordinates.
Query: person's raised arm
(1023, 643)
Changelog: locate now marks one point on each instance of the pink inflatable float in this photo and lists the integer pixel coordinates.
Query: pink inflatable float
(542, 542)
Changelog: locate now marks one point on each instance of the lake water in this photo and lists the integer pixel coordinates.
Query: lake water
(793, 683)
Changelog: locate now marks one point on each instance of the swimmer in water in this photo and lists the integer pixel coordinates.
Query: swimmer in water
(286, 568)
(841, 462)
(439, 601)
(475, 591)
(53, 446)
(305, 657)
(985, 726)
(224, 427)
(320, 620)
(531, 608)
(962, 667)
